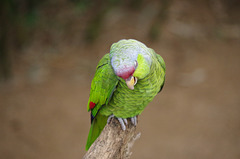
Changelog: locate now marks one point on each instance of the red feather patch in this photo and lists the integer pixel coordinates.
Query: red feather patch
(92, 105)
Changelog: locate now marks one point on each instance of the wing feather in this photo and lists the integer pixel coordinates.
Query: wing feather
(103, 85)
(163, 66)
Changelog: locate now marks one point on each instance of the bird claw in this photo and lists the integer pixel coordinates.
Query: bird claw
(109, 118)
(134, 120)
(123, 121)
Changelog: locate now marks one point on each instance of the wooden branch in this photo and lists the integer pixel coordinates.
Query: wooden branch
(113, 142)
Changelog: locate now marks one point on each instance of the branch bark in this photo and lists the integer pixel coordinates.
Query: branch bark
(113, 142)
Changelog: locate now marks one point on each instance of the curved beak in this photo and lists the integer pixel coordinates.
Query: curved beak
(131, 81)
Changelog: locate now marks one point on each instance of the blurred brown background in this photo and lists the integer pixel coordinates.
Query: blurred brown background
(49, 50)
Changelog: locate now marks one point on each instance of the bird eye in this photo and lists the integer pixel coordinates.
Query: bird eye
(135, 80)
(135, 64)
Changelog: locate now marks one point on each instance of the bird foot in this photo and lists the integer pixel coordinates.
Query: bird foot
(134, 120)
(109, 118)
(123, 121)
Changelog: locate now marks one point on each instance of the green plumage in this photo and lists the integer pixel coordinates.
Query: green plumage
(111, 94)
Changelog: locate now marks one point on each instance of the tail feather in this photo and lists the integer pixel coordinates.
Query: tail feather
(98, 123)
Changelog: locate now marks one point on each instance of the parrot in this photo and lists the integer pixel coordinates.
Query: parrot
(126, 80)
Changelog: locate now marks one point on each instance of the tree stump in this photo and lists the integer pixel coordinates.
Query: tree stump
(113, 142)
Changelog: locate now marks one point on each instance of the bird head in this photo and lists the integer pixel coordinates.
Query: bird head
(131, 61)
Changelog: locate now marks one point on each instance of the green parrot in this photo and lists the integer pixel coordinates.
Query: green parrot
(126, 80)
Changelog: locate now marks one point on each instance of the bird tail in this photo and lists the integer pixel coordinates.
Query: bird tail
(98, 123)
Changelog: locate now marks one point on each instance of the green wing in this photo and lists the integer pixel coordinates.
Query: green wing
(103, 85)
(102, 88)
(163, 66)
(161, 61)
